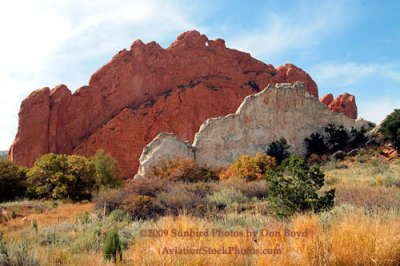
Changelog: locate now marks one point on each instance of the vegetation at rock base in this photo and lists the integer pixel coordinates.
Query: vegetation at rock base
(365, 210)
(181, 169)
(62, 177)
(12, 181)
(390, 128)
(295, 188)
(336, 138)
(279, 149)
(106, 170)
(315, 144)
(250, 168)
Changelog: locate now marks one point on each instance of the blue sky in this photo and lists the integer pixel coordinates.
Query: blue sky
(351, 46)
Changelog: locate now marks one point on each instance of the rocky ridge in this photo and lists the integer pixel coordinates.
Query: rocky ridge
(280, 110)
(141, 92)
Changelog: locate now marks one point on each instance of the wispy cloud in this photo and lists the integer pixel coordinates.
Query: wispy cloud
(298, 29)
(350, 73)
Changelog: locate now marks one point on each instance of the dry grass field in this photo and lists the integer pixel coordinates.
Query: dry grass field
(363, 228)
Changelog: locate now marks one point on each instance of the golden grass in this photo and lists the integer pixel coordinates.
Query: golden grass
(64, 212)
(354, 239)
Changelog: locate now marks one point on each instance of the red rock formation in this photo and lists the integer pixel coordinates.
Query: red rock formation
(140, 93)
(327, 99)
(345, 104)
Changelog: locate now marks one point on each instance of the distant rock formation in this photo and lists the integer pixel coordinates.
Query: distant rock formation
(344, 104)
(280, 110)
(140, 93)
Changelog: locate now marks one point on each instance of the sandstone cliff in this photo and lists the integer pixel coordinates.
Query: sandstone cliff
(140, 93)
(283, 110)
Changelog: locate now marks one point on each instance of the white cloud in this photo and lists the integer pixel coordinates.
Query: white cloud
(301, 28)
(46, 42)
(350, 73)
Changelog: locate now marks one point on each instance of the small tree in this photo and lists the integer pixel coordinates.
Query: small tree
(295, 188)
(337, 137)
(112, 246)
(279, 149)
(316, 144)
(390, 128)
(60, 176)
(12, 181)
(106, 170)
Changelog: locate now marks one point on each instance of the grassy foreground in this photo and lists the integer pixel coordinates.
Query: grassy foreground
(362, 229)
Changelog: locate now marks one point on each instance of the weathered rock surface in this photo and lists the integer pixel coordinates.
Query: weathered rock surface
(327, 99)
(345, 104)
(140, 93)
(281, 110)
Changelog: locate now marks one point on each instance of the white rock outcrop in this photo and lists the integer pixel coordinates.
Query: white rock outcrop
(281, 110)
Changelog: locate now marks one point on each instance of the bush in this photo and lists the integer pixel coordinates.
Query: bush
(181, 169)
(226, 197)
(142, 207)
(255, 189)
(390, 128)
(17, 253)
(106, 171)
(113, 198)
(62, 177)
(279, 149)
(12, 181)
(295, 188)
(178, 198)
(112, 246)
(315, 144)
(250, 168)
(359, 137)
(337, 137)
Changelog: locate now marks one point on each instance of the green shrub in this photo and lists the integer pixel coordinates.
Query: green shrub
(250, 168)
(359, 137)
(112, 246)
(62, 177)
(12, 181)
(119, 216)
(279, 149)
(184, 170)
(17, 253)
(315, 144)
(295, 188)
(337, 137)
(226, 197)
(390, 128)
(106, 171)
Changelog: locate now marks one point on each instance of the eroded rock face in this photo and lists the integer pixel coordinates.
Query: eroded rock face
(345, 104)
(140, 93)
(283, 110)
(327, 99)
